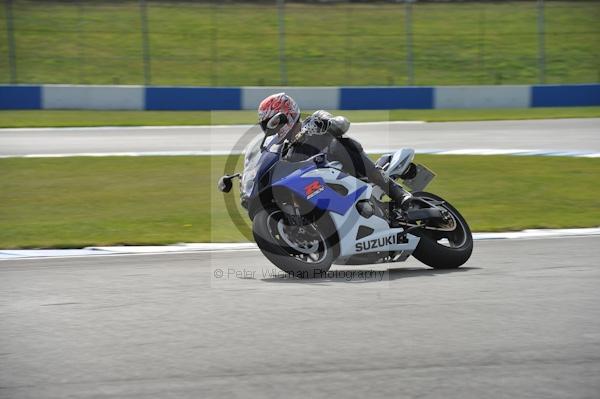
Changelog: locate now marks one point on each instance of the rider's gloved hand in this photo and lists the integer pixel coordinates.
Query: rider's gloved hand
(322, 122)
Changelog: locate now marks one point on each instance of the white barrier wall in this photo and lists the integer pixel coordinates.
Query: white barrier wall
(93, 97)
(306, 97)
(482, 96)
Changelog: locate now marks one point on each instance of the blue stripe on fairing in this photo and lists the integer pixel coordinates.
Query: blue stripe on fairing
(386, 97)
(330, 200)
(327, 199)
(193, 98)
(20, 97)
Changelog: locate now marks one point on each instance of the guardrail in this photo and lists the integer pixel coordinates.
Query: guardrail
(237, 98)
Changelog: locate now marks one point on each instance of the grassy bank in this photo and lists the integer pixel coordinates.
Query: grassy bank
(57, 118)
(74, 202)
(236, 43)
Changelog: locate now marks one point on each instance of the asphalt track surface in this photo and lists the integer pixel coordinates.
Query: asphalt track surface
(555, 134)
(520, 320)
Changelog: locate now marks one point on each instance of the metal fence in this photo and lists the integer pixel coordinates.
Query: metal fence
(278, 42)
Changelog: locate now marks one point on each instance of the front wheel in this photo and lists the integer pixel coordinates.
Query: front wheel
(305, 251)
(446, 246)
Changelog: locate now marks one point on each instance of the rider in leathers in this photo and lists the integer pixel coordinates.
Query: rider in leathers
(323, 133)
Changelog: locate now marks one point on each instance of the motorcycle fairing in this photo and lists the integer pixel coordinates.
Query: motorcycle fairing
(396, 163)
(311, 183)
(344, 213)
(382, 239)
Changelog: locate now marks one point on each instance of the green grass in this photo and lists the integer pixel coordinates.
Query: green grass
(74, 202)
(166, 118)
(231, 44)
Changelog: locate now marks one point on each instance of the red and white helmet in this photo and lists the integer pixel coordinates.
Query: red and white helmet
(279, 103)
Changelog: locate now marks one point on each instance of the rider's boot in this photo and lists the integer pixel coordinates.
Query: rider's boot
(400, 197)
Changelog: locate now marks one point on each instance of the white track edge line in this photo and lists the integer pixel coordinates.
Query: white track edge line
(247, 246)
(159, 127)
(466, 151)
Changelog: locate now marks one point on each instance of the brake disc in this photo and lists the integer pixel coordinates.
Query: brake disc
(304, 246)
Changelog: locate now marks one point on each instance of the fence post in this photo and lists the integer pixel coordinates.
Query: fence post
(80, 15)
(348, 58)
(214, 37)
(10, 35)
(541, 41)
(282, 60)
(481, 45)
(145, 43)
(409, 42)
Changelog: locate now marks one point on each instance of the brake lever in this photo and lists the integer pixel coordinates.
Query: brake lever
(224, 185)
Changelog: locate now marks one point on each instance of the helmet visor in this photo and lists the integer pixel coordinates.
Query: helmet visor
(275, 125)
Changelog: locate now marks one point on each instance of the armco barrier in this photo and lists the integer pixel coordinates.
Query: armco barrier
(20, 97)
(92, 97)
(482, 97)
(306, 97)
(565, 96)
(193, 98)
(235, 98)
(386, 98)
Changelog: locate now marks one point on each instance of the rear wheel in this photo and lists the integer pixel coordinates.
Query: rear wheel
(305, 251)
(447, 245)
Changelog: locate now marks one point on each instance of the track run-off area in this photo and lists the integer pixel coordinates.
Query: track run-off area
(520, 319)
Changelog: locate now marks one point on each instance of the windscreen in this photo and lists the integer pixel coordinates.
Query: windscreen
(251, 157)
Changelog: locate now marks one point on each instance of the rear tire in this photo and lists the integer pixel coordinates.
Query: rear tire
(287, 258)
(439, 256)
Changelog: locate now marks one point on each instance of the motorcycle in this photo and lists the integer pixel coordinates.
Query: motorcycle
(310, 214)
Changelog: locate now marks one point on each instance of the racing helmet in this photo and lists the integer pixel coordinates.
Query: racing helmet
(277, 114)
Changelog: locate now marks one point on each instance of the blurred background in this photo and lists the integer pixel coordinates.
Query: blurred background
(299, 43)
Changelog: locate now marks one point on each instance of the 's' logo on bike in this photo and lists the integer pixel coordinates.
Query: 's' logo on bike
(313, 189)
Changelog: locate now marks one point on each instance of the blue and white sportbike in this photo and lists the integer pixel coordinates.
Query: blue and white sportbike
(308, 215)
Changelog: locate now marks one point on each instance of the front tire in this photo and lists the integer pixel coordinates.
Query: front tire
(312, 260)
(430, 249)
